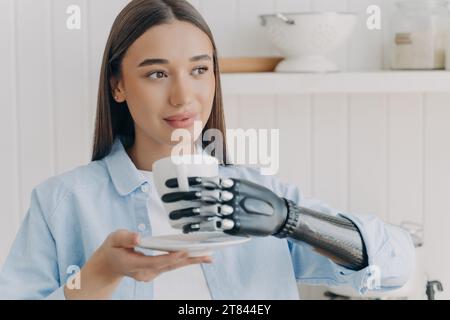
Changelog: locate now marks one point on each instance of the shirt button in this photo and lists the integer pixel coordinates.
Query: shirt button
(141, 227)
(144, 188)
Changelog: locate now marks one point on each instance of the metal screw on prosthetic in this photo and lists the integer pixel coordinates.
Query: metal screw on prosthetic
(206, 182)
(212, 224)
(206, 211)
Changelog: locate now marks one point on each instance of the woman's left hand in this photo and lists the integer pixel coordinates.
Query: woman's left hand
(234, 206)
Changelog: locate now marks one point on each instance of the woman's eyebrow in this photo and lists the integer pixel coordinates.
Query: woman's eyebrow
(200, 57)
(149, 62)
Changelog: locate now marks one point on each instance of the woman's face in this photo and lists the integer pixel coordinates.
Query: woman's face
(168, 72)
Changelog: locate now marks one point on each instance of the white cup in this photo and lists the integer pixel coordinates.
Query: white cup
(181, 168)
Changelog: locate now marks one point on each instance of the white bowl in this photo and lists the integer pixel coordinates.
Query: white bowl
(305, 38)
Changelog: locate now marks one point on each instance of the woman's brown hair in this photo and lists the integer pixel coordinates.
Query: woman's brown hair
(113, 118)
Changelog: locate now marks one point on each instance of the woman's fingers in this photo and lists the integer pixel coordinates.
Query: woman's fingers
(155, 262)
(136, 263)
(124, 239)
(162, 261)
(185, 262)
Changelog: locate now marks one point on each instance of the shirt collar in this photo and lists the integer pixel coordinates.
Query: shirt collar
(124, 174)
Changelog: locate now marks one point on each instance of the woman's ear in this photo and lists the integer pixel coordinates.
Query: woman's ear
(117, 89)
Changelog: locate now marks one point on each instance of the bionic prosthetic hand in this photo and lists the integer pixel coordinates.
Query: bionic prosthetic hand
(242, 208)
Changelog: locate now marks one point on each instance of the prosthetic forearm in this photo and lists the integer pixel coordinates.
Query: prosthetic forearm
(240, 207)
(336, 237)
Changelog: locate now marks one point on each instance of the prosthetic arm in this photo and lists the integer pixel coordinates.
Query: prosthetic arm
(242, 208)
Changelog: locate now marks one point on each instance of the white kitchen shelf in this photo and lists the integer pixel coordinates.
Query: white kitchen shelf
(344, 82)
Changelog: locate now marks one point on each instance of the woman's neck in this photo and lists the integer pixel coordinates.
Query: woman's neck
(144, 152)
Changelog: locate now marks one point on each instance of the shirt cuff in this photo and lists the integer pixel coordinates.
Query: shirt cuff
(362, 280)
(381, 253)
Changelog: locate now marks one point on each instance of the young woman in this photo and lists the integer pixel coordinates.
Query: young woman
(160, 72)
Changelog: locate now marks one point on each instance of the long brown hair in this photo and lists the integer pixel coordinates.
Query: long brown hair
(137, 17)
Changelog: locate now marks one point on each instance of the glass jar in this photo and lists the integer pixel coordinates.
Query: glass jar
(419, 32)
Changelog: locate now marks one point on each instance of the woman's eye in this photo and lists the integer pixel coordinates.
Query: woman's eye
(201, 70)
(156, 75)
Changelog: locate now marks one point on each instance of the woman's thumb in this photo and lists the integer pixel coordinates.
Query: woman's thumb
(124, 239)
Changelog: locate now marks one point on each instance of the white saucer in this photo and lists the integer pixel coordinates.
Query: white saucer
(197, 244)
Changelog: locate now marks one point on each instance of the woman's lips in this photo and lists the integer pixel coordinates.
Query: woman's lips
(181, 121)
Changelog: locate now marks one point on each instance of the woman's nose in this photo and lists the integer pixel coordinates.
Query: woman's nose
(181, 94)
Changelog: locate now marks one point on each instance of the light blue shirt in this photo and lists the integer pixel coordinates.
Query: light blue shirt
(71, 214)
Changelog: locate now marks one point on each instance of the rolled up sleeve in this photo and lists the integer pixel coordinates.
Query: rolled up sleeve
(390, 251)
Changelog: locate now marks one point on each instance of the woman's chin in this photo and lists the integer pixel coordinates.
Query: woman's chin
(181, 133)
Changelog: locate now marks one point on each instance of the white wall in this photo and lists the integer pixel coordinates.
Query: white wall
(386, 154)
